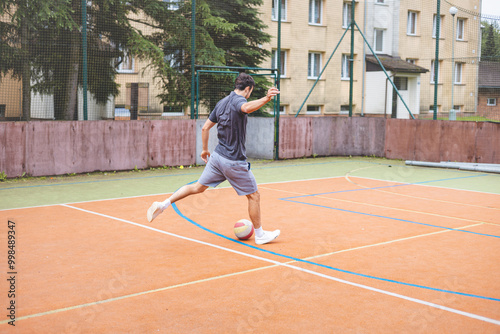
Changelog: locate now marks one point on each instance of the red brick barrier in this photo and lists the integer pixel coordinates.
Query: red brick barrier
(421, 140)
(54, 148)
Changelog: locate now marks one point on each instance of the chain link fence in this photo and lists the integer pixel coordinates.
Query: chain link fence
(136, 62)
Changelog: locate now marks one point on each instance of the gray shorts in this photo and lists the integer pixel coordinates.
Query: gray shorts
(219, 169)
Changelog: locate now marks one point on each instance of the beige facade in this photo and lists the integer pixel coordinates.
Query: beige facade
(301, 39)
(389, 18)
(310, 31)
(462, 37)
(10, 98)
(137, 84)
(132, 75)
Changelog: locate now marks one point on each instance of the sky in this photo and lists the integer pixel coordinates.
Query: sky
(490, 7)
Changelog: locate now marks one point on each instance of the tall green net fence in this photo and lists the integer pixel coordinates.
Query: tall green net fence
(127, 60)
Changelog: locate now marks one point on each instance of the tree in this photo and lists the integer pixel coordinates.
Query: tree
(241, 45)
(233, 40)
(19, 18)
(42, 44)
(490, 42)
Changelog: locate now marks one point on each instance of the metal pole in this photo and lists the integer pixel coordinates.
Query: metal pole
(319, 76)
(278, 77)
(451, 116)
(436, 59)
(351, 60)
(363, 72)
(193, 52)
(84, 56)
(385, 72)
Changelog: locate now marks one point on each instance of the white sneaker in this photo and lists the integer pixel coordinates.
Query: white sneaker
(267, 237)
(154, 210)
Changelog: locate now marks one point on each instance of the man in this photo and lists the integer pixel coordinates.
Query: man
(228, 161)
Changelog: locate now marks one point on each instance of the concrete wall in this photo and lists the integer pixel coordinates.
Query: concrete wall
(259, 142)
(435, 141)
(52, 148)
(422, 140)
(326, 136)
(55, 148)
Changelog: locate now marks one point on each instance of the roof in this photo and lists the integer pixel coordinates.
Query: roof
(394, 64)
(489, 74)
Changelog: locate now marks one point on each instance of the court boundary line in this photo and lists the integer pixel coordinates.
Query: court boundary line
(136, 294)
(158, 194)
(282, 264)
(320, 195)
(390, 218)
(425, 183)
(326, 266)
(263, 184)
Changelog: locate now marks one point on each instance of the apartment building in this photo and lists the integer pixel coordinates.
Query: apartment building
(401, 34)
(310, 30)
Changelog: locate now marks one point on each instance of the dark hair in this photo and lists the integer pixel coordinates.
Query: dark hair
(243, 81)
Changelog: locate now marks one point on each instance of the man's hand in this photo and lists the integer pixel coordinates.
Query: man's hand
(251, 106)
(205, 155)
(273, 91)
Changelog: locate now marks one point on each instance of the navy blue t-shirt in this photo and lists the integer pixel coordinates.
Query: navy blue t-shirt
(231, 126)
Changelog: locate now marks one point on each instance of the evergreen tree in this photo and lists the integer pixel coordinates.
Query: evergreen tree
(236, 43)
(490, 48)
(42, 44)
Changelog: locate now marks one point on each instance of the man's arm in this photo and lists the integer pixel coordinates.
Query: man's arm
(205, 133)
(252, 106)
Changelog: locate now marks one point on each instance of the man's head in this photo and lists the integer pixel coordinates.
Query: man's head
(244, 83)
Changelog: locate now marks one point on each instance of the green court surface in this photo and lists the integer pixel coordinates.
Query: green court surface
(30, 192)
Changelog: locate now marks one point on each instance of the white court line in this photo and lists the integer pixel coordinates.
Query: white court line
(159, 194)
(142, 293)
(347, 175)
(260, 184)
(365, 287)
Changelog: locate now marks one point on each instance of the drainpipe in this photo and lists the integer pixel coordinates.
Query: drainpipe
(385, 106)
(364, 69)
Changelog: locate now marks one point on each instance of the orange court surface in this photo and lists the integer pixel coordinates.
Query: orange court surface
(357, 254)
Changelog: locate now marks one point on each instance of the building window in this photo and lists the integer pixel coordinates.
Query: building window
(344, 109)
(401, 83)
(274, 15)
(315, 11)
(412, 61)
(314, 65)
(274, 60)
(126, 63)
(173, 57)
(431, 108)
(460, 29)
(458, 72)
(433, 71)
(379, 40)
(313, 110)
(346, 15)
(491, 102)
(457, 108)
(434, 26)
(172, 4)
(411, 27)
(172, 111)
(346, 65)
(380, 1)
(282, 109)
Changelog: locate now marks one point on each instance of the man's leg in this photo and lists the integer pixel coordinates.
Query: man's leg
(185, 191)
(261, 236)
(254, 209)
